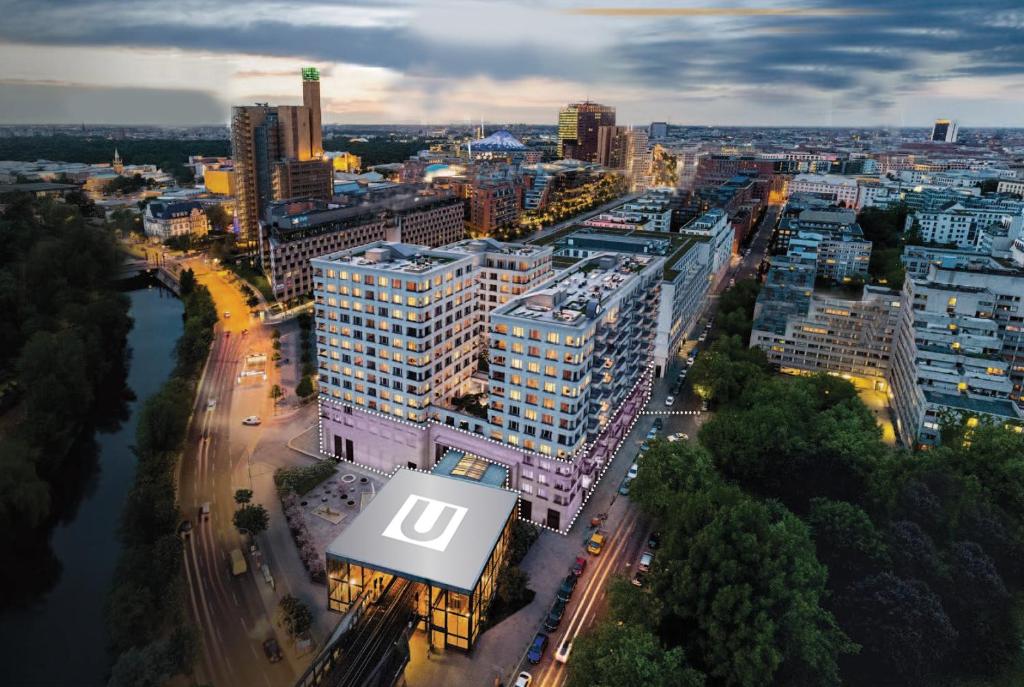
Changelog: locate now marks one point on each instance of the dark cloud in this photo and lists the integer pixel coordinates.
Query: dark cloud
(72, 103)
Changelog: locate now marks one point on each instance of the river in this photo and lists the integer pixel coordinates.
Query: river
(61, 639)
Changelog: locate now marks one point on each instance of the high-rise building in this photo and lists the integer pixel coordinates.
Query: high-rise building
(612, 146)
(578, 126)
(658, 130)
(638, 159)
(278, 154)
(944, 131)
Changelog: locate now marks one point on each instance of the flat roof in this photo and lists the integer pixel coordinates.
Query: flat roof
(428, 528)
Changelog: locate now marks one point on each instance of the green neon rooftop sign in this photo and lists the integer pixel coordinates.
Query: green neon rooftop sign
(310, 74)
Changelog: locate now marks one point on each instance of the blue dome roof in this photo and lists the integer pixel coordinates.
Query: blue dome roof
(498, 141)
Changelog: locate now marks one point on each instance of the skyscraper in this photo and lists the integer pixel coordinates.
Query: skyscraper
(278, 154)
(612, 146)
(578, 125)
(944, 131)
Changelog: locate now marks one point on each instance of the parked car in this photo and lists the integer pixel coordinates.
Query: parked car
(185, 528)
(678, 436)
(252, 420)
(702, 337)
(537, 647)
(646, 558)
(689, 361)
(272, 649)
(211, 404)
(638, 580)
(652, 434)
(562, 655)
(653, 540)
(644, 446)
(633, 471)
(567, 587)
(579, 566)
(624, 487)
(658, 423)
(524, 679)
(554, 615)
(669, 400)
(595, 543)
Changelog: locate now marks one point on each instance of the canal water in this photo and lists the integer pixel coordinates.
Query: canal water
(61, 639)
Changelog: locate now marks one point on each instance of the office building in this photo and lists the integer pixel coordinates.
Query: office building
(578, 126)
(295, 231)
(831, 239)
(837, 189)
(658, 130)
(278, 155)
(345, 162)
(944, 131)
(167, 219)
(959, 350)
(612, 146)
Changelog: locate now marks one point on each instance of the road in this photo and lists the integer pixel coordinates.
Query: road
(625, 526)
(229, 610)
(576, 219)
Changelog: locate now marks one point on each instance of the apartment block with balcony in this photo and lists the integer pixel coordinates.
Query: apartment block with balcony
(959, 350)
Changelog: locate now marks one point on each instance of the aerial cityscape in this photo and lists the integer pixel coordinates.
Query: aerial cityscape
(412, 344)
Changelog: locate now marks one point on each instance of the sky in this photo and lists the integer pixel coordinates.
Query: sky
(804, 62)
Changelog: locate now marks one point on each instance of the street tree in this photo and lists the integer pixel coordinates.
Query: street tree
(614, 654)
(243, 495)
(295, 616)
(253, 518)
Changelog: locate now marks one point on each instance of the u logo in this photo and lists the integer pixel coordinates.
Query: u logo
(425, 522)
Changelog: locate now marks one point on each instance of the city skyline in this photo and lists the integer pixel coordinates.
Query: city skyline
(861, 63)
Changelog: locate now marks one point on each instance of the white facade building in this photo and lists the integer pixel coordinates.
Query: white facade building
(839, 189)
(163, 220)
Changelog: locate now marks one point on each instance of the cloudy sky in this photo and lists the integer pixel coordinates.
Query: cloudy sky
(815, 62)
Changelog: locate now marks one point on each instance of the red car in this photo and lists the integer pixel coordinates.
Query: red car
(579, 566)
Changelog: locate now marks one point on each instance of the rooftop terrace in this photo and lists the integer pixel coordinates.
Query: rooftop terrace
(678, 245)
(395, 257)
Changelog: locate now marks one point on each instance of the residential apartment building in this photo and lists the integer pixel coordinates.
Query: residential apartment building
(1014, 187)
(838, 189)
(427, 218)
(808, 331)
(959, 350)
(493, 206)
(568, 361)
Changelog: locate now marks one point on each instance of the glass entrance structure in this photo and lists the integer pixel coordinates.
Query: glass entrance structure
(449, 535)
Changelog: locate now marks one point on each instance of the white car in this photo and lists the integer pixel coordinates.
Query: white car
(689, 361)
(634, 469)
(252, 420)
(702, 337)
(645, 561)
(562, 655)
(211, 404)
(678, 436)
(669, 400)
(524, 679)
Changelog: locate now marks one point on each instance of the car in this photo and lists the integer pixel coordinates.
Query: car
(211, 404)
(658, 423)
(252, 420)
(227, 314)
(702, 337)
(524, 679)
(185, 528)
(638, 580)
(567, 587)
(634, 470)
(704, 405)
(579, 566)
(595, 543)
(732, 282)
(204, 511)
(678, 436)
(562, 655)
(644, 446)
(537, 647)
(669, 400)
(272, 649)
(646, 558)
(652, 434)
(624, 487)
(690, 361)
(554, 615)
(653, 540)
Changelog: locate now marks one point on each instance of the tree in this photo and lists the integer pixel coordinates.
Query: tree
(523, 536)
(615, 654)
(304, 389)
(276, 393)
(981, 611)
(187, 281)
(634, 606)
(218, 217)
(846, 541)
(727, 369)
(672, 471)
(513, 590)
(243, 495)
(902, 628)
(295, 616)
(252, 518)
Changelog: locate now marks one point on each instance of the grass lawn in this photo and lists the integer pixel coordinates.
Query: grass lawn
(256, 279)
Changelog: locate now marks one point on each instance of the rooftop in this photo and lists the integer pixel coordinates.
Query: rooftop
(577, 294)
(396, 257)
(395, 533)
(679, 243)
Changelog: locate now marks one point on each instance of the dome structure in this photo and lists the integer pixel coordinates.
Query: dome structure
(499, 141)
